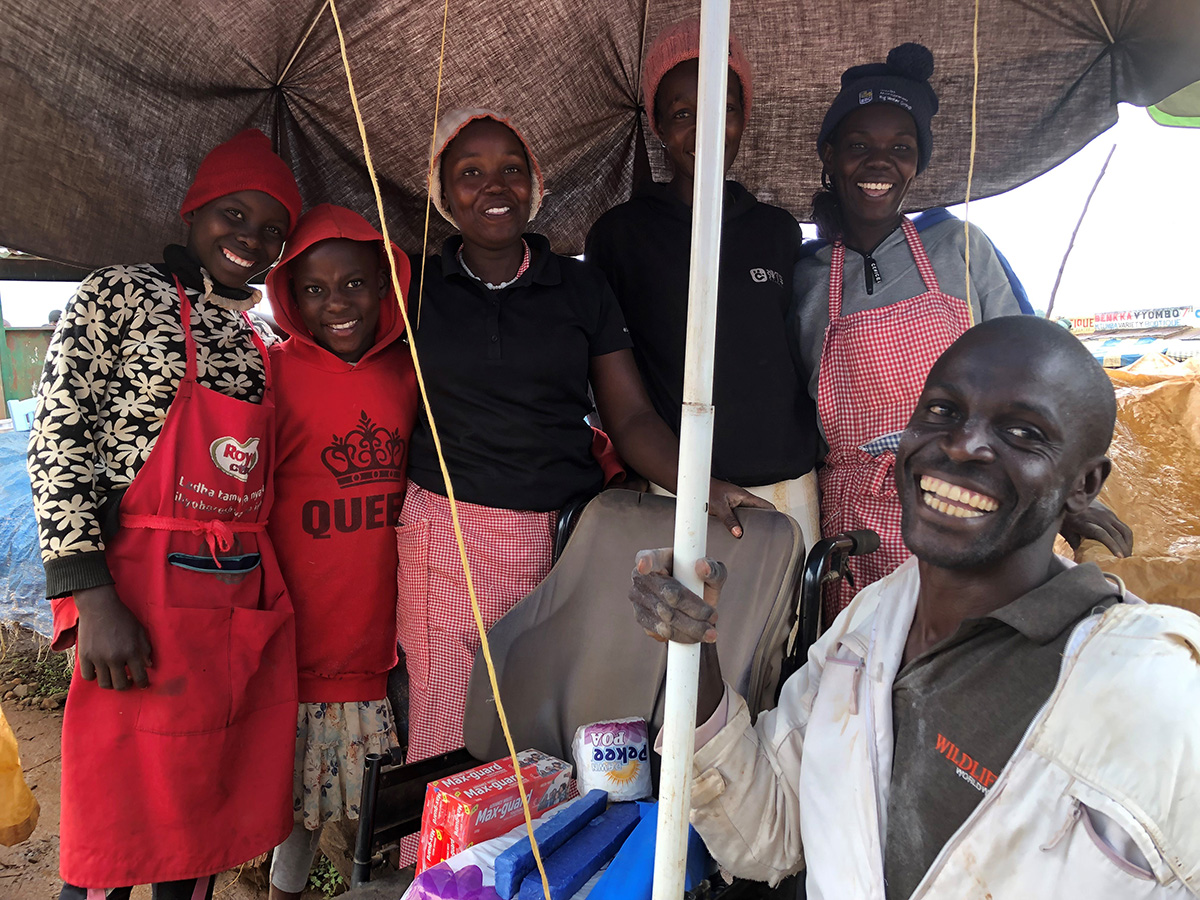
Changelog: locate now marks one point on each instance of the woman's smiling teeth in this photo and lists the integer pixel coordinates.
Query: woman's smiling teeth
(237, 260)
(497, 211)
(342, 327)
(954, 500)
(875, 188)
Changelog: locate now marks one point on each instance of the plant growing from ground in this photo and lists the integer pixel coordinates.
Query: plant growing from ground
(326, 879)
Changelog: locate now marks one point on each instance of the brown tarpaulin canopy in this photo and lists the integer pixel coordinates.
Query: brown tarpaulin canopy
(109, 105)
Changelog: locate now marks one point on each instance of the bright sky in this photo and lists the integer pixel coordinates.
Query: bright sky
(1137, 247)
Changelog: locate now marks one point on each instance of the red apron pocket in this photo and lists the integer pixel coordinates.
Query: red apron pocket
(412, 612)
(260, 640)
(189, 689)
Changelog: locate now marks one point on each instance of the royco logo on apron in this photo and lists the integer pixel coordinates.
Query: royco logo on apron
(233, 457)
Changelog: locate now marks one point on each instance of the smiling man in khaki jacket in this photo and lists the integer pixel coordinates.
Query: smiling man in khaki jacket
(988, 721)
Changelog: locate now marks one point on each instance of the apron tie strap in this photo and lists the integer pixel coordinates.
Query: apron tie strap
(217, 533)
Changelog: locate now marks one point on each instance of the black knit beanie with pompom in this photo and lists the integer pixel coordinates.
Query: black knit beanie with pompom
(903, 80)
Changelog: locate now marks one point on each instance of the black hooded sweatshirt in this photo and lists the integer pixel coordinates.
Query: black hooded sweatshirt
(764, 422)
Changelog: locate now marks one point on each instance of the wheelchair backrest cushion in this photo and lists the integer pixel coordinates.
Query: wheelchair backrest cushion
(571, 653)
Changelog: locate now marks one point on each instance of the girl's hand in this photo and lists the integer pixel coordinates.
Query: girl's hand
(110, 640)
(724, 497)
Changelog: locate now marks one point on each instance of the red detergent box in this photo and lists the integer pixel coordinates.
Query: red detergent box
(462, 810)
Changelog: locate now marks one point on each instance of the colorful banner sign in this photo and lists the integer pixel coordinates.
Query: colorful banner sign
(1132, 319)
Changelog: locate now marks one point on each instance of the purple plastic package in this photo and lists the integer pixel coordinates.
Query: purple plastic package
(440, 882)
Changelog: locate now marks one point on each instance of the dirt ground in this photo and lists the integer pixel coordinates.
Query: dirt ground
(29, 871)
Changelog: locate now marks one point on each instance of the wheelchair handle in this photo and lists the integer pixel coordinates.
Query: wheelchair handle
(826, 562)
(851, 543)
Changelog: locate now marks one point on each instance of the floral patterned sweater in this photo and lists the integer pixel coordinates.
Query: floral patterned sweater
(112, 370)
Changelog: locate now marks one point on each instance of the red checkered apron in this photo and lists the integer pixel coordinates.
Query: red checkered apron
(510, 553)
(873, 367)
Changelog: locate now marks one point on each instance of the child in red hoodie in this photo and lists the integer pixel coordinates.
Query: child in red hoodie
(346, 404)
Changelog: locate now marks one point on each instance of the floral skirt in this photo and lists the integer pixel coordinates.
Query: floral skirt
(332, 741)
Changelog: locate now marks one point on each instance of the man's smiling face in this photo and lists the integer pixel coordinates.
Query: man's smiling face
(994, 455)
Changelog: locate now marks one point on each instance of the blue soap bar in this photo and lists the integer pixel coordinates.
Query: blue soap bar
(569, 868)
(517, 861)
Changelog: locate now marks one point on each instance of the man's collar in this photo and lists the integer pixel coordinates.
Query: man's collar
(1040, 615)
(543, 266)
(1050, 609)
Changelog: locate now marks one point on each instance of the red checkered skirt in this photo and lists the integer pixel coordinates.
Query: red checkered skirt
(509, 552)
(873, 367)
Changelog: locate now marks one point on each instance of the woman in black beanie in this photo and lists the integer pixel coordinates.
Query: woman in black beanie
(879, 299)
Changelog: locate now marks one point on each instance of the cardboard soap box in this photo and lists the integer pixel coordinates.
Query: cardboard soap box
(464, 809)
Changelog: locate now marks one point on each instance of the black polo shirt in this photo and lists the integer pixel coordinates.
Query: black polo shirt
(764, 425)
(507, 374)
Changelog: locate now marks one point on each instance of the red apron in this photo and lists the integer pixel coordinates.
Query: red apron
(192, 775)
(873, 367)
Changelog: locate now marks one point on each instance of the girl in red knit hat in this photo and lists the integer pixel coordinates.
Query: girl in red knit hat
(149, 459)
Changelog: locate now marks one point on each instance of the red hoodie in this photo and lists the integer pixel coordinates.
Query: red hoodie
(342, 434)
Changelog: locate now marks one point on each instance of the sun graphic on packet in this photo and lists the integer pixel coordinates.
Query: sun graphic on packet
(626, 774)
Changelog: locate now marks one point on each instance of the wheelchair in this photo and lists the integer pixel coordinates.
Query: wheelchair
(571, 653)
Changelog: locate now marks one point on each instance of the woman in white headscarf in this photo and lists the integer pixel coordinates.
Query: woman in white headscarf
(510, 336)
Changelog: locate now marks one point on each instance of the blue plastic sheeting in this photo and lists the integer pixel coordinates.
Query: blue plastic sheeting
(1117, 352)
(22, 579)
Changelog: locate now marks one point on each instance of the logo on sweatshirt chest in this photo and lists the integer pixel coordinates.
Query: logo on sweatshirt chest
(366, 454)
(762, 275)
(233, 457)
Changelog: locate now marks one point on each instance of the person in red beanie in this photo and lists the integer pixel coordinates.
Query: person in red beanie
(765, 433)
(346, 406)
(150, 459)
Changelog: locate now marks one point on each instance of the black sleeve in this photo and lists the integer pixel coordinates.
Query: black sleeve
(609, 333)
(597, 249)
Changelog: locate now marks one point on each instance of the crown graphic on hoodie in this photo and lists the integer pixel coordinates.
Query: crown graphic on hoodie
(368, 452)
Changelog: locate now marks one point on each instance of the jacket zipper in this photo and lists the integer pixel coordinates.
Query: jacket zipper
(873, 752)
(871, 273)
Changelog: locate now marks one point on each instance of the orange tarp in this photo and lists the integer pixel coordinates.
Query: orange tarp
(1155, 482)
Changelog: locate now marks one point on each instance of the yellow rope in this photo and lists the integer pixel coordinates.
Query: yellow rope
(971, 162)
(437, 443)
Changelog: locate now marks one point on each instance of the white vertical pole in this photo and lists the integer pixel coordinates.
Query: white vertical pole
(695, 446)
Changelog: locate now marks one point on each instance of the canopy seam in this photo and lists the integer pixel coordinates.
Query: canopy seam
(303, 41)
(1103, 24)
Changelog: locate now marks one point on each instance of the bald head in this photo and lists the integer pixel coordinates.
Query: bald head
(1051, 357)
